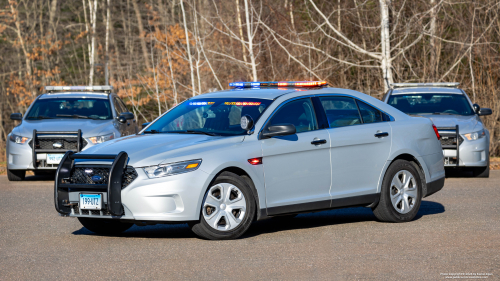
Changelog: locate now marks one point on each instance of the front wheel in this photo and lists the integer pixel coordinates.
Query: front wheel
(401, 193)
(228, 209)
(16, 175)
(105, 226)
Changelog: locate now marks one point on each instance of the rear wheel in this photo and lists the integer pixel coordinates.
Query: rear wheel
(16, 175)
(104, 226)
(401, 193)
(227, 210)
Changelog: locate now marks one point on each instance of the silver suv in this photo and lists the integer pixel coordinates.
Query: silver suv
(65, 118)
(464, 138)
(263, 149)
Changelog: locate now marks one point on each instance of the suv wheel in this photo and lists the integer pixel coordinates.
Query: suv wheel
(482, 172)
(227, 210)
(16, 175)
(105, 226)
(401, 193)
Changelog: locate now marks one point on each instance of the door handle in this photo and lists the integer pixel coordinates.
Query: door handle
(316, 142)
(381, 135)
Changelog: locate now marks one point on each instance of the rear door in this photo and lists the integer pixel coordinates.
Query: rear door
(359, 147)
(297, 171)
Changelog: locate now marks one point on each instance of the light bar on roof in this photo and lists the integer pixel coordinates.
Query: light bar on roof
(78, 88)
(407, 85)
(293, 84)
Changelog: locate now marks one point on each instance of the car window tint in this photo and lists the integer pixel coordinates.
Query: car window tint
(300, 113)
(116, 106)
(340, 111)
(369, 114)
(123, 106)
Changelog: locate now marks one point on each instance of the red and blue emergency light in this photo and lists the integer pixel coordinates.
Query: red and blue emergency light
(292, 84)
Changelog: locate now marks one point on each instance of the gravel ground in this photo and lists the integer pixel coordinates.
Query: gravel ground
(456, 231)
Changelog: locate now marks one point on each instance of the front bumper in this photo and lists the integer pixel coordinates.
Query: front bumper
(174, 198)
(471, 154)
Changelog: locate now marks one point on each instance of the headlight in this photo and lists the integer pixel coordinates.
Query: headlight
(101, 139)
(18, 139)
(475, 135)
(172, 169)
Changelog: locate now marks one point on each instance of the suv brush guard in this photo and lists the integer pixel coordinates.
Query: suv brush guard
(62, 186)
(457, 138)
(39, 135)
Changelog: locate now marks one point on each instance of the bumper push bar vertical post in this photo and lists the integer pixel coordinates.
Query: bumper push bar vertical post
(62, 186)
(457, 142)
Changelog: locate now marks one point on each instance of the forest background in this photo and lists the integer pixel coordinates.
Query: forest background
(161, 52)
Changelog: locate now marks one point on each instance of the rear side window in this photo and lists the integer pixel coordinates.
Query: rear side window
(369, 113)
(300, 113)
(340, 111)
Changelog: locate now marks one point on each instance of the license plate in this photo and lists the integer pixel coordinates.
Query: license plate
(90, 201)
(54, 158)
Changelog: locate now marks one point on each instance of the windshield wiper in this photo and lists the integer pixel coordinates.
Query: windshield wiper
(73, 116)
(40, 117)
(152, 132)
(444, 113)
(200, 132)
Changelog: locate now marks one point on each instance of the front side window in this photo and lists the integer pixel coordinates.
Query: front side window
(88, 108)
(454, 104)
(299, 113)
(212, 116)
(340, 111)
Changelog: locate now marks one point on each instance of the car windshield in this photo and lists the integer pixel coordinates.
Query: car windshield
(215, 116)
(432, 104)
(85, 108)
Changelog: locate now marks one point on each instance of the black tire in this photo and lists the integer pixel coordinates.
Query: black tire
(482, 172)
(105, 226)
(385, 211)
(16, 175)
(204, 230)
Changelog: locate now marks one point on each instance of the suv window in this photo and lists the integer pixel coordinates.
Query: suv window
(300, 113)
(340, 111)
(369, 113)
(118, 106)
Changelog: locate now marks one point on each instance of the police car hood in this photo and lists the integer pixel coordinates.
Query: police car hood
(466, 124)
(154, 149)
(89, 127)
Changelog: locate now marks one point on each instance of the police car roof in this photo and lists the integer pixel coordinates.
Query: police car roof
(77, 95)
(426, 90)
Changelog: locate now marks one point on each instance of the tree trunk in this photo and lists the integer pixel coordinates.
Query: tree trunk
(93, 16)
(188, 47)
(386, 64)
(141, 31)
(433, 49)
(250, 42)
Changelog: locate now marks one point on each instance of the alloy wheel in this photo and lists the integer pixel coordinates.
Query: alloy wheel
(403, 191)
(224, 207)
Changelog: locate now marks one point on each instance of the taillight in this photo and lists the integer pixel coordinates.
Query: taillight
(436, 131)
(255, 161)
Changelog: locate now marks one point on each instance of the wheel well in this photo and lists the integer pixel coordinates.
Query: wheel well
(412, 159)
(240, 172)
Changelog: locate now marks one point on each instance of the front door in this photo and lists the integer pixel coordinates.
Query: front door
(297, 167)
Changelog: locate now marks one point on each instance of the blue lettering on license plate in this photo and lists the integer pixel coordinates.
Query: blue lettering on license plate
(90, 201)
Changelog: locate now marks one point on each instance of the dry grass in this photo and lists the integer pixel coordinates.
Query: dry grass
(495, 163)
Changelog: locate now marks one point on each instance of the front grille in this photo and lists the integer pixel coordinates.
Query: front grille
(67, 143)
(451, 140)
(76, 211)
(83, 175)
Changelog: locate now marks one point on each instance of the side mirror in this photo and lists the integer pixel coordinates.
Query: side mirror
(128, 115)
(16, 116)
(279, 130)
(476, 107)
(484, 111)
(144, 125)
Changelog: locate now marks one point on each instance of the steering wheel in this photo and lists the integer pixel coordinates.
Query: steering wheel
(450, 111)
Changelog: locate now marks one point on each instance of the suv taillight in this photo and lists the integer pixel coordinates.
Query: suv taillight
(436, 131)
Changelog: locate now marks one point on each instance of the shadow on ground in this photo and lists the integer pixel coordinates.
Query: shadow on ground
(42, 177)
(301, 221)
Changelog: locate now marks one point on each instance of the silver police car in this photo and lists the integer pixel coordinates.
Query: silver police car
(464, 138)
(221, 160)
(65, 118)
